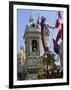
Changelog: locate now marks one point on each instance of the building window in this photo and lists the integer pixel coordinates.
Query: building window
(34, 45)
(33, 25)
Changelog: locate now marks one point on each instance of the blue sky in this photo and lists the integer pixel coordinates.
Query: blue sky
(23, 16)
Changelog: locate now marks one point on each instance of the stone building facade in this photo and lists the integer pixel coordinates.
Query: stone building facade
(34, 48)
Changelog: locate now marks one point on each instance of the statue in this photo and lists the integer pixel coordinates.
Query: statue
(44, 27)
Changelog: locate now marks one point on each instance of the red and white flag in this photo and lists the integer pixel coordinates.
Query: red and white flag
(59, 26)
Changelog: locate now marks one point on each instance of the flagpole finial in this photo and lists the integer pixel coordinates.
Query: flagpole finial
(59, 15)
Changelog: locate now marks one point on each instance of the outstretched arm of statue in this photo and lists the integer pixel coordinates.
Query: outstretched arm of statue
(47, 25)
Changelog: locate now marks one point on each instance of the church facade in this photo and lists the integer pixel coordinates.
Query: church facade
(33, 47)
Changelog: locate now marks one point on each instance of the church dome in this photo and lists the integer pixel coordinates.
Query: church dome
(31, 19)
(32, 26)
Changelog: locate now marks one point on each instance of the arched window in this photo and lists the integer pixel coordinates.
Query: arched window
(33, 25)
(34, 45)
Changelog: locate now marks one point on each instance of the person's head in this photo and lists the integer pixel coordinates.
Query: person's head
(43, 19)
